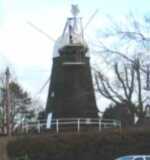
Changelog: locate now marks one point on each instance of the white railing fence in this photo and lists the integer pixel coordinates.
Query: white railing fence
(59, 125)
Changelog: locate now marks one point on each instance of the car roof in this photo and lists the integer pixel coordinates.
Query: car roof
(124, 157)
(131, 156)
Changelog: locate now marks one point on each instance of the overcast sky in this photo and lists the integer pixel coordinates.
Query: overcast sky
(28, 52)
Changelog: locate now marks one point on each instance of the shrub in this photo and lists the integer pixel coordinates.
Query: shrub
(106, 145)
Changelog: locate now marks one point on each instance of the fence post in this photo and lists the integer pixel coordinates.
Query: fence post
(114, 124)
(57, 125)
(22, 127)
(39, 127)
(120, 127)
(99, 126)
(26, 128)
(78, 125)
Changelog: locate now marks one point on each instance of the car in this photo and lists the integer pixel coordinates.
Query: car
(134, 157)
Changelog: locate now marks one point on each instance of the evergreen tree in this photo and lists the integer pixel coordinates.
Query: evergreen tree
(21, 105)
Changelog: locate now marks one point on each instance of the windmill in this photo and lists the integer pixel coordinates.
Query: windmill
(71, 93)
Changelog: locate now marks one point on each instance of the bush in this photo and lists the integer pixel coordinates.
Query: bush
(25, 157)
(106, 145)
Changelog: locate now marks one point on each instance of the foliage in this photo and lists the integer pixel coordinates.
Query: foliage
(23, 158)
(119, 112)
(21, 108)
(89, 145)
(42, 115)
(20, 101)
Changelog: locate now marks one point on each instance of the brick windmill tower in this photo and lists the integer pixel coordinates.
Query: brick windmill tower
(71, 93)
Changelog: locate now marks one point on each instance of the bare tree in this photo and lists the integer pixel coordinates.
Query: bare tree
(126, 39)
(128, 42)
(110, 91)
(125, 87)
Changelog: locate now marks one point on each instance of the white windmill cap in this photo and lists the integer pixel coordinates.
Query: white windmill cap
(61, 42)
(74, 30)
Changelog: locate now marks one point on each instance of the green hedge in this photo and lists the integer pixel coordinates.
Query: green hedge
(106, 145)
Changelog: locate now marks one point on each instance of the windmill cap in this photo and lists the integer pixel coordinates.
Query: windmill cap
(63, 41)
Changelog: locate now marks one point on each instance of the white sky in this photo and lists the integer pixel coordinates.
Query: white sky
(28, 52)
